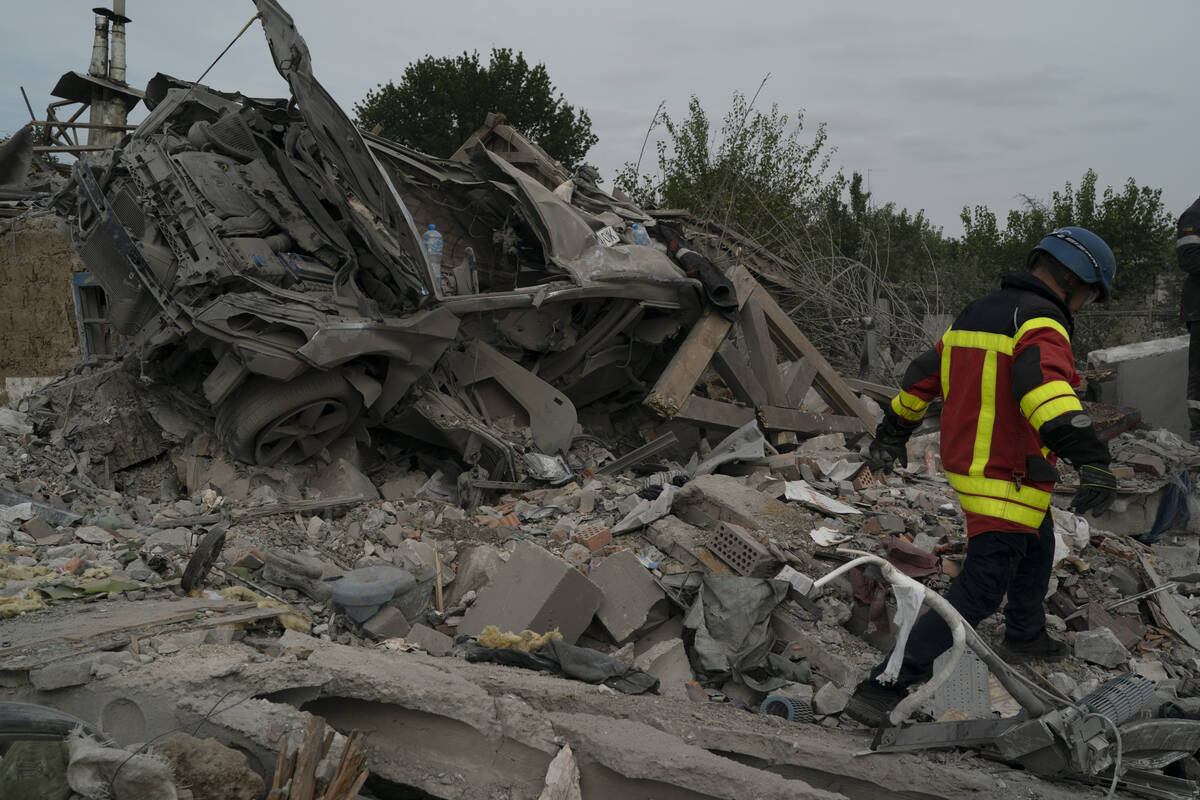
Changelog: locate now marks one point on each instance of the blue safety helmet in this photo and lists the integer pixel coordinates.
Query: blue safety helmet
(1082, 252)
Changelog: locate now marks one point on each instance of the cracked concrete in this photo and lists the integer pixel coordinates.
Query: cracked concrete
(458, 730)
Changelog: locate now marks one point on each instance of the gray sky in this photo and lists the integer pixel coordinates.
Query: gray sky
(946, 103)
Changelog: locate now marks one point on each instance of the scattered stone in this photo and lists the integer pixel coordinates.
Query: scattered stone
(388, 623)
(62, 674)
(830, 699)
(1064, 683)
(209, 769)
(173, 540)
(343, 479)
(433, 642)
(668, 662)
(93, 534)
(1100, 646)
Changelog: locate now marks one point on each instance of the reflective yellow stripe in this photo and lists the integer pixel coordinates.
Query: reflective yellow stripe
(1001, 509)
(1048, 411)
(1041, 322)
(1047, 391)
(909, 406)
(946, 350)
(999, 489)
(987, 414)
(997, 342)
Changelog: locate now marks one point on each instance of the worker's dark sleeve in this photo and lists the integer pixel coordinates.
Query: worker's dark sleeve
(1043, 372)
(922, 383)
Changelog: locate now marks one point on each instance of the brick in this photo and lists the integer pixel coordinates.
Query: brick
(388, 623)
(593, 537)
(738, 548)
(250, 559)
(1123, 473)
(632, 601)
(535, 590)
(433, 642)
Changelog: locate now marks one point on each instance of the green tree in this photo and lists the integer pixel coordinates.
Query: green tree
(439, 102)
(754, 174)
(1132, 220)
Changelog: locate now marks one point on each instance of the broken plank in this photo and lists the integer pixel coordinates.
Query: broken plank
(761, 350)
(731, 365)
(797, 377)
(714, 414)
(774, 418)
(674, 386)
(796, 345)
(1175, 616)
(291, 506)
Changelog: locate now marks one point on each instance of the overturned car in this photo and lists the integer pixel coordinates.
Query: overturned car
(272, 248)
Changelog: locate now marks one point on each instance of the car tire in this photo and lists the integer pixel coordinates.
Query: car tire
(267, 422)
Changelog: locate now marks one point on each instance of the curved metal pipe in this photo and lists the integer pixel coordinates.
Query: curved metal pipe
(961, 632)
(937, 603)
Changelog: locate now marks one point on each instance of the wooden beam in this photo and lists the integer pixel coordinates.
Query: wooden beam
(773, 418)
(797, 377)
(731, 365)
(796, 345)
(674, 386)
(761, 350)
(714, 414)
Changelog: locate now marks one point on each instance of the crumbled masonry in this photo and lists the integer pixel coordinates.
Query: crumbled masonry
(555, 526)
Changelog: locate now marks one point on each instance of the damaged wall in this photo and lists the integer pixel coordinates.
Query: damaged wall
(38, 334)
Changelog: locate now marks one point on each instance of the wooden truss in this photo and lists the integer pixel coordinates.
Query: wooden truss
(769, 391)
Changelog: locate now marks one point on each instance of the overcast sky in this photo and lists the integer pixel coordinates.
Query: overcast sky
(946, 103)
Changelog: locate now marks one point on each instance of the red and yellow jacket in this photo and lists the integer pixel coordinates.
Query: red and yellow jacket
(1005, 373)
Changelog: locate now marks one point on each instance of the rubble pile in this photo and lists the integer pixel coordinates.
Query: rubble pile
(575, 510)
(689, 580)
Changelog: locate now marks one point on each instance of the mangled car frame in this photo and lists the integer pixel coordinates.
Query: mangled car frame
(270, 247)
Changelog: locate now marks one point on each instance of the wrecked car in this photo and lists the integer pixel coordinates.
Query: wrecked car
(270, 250)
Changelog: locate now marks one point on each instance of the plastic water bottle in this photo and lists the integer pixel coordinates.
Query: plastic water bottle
(432, 241)
(640, 236)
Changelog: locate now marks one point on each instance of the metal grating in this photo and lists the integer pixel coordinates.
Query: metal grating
(738, 548)
(966, 689)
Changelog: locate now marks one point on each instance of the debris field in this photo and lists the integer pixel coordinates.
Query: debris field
(568, 516)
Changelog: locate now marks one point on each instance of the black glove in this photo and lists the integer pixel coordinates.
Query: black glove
(889, 445)
(1097, 490)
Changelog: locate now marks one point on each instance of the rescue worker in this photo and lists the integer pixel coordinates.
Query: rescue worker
(1005, 373)
(1187, 250)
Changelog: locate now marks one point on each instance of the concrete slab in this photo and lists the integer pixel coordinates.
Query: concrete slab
(632, 601)
(1152, 377)
(538, 591)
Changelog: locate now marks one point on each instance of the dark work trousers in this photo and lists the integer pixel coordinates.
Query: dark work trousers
(1193, 381)
(997, 562)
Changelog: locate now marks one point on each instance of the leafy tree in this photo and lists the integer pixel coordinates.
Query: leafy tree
(754, 174)
(439, 102)
(1133, 221)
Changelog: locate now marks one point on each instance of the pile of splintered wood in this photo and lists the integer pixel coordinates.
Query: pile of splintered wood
(296, 774)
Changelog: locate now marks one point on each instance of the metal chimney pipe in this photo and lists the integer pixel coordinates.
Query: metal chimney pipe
(99, 66)
(116, 66)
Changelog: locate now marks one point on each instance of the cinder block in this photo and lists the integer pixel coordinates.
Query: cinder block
(668, 662)
(632, 601)
(535, 590)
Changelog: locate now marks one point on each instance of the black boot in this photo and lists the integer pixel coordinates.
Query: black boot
(872, 702)
(1041, 646)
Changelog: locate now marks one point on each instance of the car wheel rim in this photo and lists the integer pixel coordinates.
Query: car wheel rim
(302, 433)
